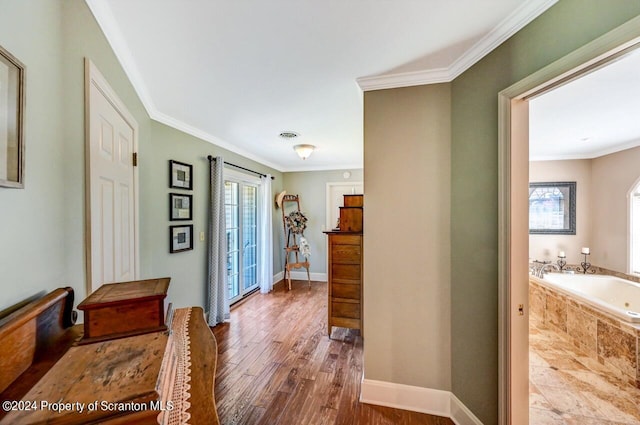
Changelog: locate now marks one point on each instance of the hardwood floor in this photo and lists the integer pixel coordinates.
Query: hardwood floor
(276, 365)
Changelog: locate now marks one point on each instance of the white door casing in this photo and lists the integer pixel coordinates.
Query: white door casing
(111, 185)
(513, 142)
(335, 191)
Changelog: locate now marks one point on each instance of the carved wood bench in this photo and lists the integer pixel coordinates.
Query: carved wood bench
(32, 339)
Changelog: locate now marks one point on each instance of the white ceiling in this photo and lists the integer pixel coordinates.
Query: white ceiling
(237, 73)
(595, 115)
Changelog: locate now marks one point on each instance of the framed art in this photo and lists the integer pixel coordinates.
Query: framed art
(12, 82)
(180, 238)
(180, 207)
(552, 208)
(180, 175)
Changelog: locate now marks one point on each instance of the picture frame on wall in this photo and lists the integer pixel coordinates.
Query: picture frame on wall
(180, 206)
(12, 107)
(180, 238)
(180, 175)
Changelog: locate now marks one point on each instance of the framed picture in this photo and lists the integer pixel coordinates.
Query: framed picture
(180, 206)
(180, 238)
(552, 208)
(12, 82)
(180, 175)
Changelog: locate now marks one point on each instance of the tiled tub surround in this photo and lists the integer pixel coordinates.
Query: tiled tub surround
(600, 334)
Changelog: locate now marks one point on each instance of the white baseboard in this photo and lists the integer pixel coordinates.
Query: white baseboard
(460, 414)
(417, 399)
(300, 275)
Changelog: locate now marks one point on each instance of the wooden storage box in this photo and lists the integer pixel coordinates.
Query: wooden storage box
(118, 310)
(353, 200)
(350, 219)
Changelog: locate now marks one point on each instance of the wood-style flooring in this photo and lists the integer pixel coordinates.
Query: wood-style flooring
(276, 365)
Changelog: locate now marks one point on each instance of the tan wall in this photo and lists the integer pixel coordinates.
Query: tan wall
(407, 322)
(602, 208)
(613, 176)
(546, 247)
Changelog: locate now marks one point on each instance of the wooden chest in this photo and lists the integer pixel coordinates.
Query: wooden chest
(118, 310)
(345, 280)
(351, 219)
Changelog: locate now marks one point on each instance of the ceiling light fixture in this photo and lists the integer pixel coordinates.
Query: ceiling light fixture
(304, 151)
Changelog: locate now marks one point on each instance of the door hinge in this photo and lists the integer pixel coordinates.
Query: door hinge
(135, 159)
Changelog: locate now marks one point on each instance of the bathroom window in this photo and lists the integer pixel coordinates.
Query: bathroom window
(552, 208)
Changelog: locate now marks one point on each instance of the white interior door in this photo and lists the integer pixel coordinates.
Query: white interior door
(112, 191)
(335, 192)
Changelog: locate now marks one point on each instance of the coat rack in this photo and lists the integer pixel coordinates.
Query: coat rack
(291, 242)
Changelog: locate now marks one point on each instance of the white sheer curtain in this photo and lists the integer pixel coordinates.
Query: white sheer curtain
(265, 247)
(217, 277)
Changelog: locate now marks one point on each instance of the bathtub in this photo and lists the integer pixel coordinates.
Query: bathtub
(598, 313)
(616, 296)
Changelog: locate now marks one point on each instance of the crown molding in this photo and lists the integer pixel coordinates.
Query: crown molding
(109, 26)
(404, 79)
(106, 21)
(196, 132)
(588, 155)
(513, 23)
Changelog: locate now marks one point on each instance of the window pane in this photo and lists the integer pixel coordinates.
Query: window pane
(249, 277)
(232, 240)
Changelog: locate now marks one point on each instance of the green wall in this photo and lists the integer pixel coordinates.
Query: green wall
(32, 252)
(565, 27)
(188, 270)
(42, 226)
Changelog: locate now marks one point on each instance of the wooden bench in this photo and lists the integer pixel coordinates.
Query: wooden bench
(32, 339)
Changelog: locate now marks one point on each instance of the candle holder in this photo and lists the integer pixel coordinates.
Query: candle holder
(586, 265)
(561, 262)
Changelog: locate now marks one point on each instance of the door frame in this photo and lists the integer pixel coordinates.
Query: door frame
(513, 166)
(93, 77)
(329, 185)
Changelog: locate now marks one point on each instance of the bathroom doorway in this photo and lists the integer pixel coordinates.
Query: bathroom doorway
(584, 160)
(513, 206)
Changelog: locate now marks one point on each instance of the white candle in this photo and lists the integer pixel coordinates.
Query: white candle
(561, 254)
(585, 250)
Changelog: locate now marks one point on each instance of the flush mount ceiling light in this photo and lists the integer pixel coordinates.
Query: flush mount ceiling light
(304, 151)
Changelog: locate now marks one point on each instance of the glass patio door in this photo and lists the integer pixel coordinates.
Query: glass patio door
(241, 207)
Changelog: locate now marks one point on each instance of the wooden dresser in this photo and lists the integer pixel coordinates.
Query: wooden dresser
(345, 268)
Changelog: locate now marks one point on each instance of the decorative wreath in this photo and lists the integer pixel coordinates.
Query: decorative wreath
(297, 222)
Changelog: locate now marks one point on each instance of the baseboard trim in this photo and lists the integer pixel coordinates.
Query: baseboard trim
(318, 277)
(417, 399)
(460, 414)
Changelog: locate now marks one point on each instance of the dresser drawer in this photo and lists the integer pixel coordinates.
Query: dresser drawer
(345, 271)
(349, 310)
(346, 254)
(345, 239)
(345, 290)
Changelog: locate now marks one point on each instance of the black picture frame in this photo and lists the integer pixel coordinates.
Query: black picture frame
(180, 238)
(180, 175)
(12, 90)
(552, 208)
(180, 207)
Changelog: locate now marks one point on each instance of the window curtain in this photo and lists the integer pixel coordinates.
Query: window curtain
(265, 246)
(217, 249)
